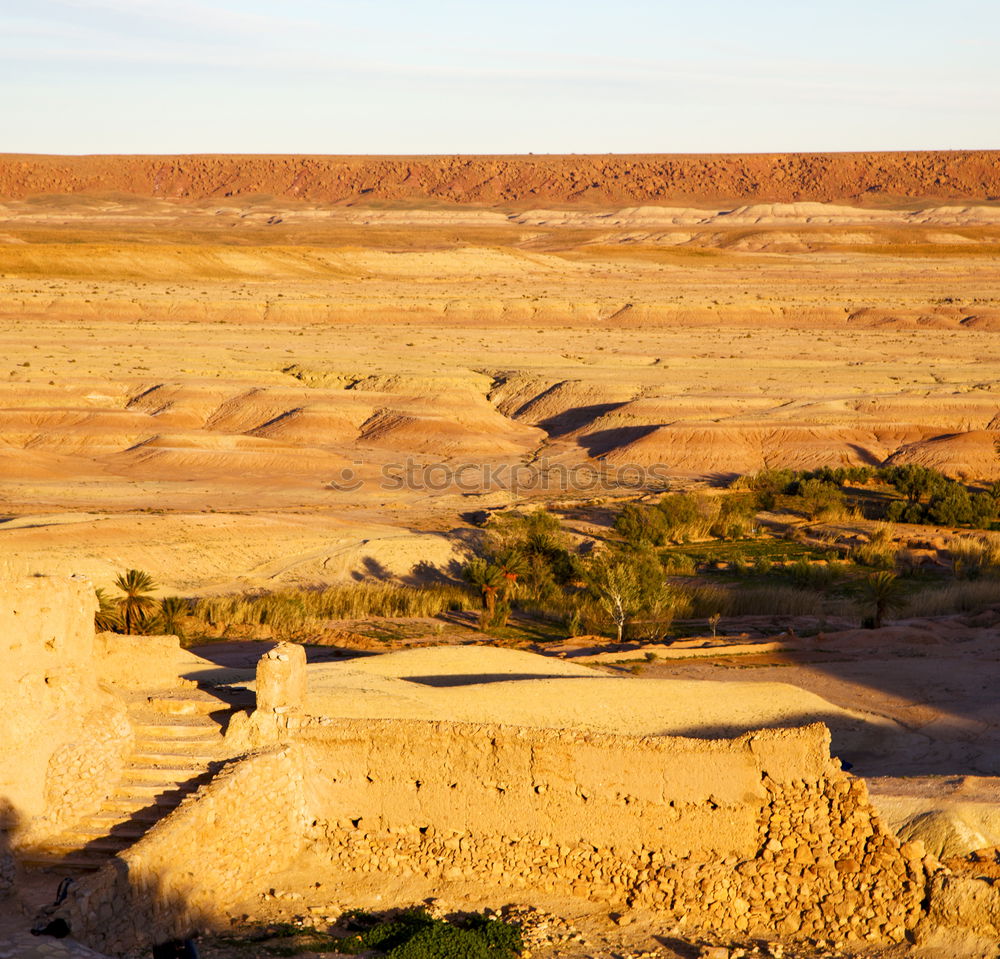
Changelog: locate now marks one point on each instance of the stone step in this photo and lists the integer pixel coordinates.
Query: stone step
(127, 829)
(70, 843)
(161, 774)
(171, 732)
(60, 861)
(152, 791)
(177, 749)
(128, 813)
(175, 706)
(151, 756)
(129, 805)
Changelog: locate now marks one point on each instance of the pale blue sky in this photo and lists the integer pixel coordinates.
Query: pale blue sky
(543, 76)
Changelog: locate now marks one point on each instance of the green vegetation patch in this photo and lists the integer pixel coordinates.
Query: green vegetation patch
(415, 934)
(407, 934)
(909, 493)
(776, 550)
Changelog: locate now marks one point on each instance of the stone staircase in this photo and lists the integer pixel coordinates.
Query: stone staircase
(178, 747)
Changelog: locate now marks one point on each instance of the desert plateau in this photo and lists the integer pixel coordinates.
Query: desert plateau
(578, 556)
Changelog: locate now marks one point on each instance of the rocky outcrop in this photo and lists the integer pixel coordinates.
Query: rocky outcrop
(518, 180)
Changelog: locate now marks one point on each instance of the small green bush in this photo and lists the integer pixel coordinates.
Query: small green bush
(678, 564)
(414, 934)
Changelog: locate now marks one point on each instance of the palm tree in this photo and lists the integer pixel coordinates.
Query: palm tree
(173, 609)
(136, 602)
(106, 619)
(511, 564)
(885, 593)
(489, 580)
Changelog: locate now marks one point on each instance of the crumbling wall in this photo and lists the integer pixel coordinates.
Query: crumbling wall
(61, 735)
(960, 906)
(219, 847)
(746, 836)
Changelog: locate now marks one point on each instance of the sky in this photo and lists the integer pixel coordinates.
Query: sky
(519, 76)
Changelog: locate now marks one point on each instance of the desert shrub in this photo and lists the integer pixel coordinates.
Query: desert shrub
(641, 526)
(820, 499)
(903, 511)
(768, 485)
(841, 475)
(956, 506)
(916, 483)
(880, 550)
(688, 516)
(736, 515)
(683, 517)
(953, 506)
(932, 497)
(678, 564)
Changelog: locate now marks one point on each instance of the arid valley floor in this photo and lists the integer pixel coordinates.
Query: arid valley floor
(270, 373)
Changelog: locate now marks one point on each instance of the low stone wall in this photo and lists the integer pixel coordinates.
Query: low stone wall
(747, 836)
(221, 845)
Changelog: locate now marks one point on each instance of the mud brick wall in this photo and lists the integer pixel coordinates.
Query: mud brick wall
(751, 835)
(54, 710)
(221, 845)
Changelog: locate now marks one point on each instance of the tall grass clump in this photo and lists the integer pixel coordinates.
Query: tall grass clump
(973, 555)
(818, 576)
(969, 596)
(706, 601)
(284, 612)
(775, 601)
(880, 550)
